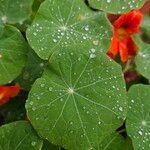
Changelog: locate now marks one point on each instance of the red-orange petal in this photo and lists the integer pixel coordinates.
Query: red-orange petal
(7, 92)
(114, 48)
(123, 52)
(130, 21)
(132, 47)
(122, 43)
(127, 48)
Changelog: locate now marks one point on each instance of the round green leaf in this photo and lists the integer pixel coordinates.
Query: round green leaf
(143, 57)
(13, 51)
(116, 6)
(19, 136)
(15, 11)
(80, 97)
(60, 24)
(138, 118)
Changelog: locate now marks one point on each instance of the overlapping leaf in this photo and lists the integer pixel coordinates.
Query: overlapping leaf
(1, 28)
(33, 69)
(13, 51)
(80, 98)
(115, 141)
(116, 6)
(138, 118)
(60, 24)
(49, 146)
(19, 136)
(146, 24)
(37, 4)
(143, 57)
(15, 11)
(145, 28)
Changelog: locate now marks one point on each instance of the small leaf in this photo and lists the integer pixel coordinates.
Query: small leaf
(56, 28)
(138, 118)
(33, 70)
(19, 136)
(80, 98)
(13, 51)
(116, 6)
(115, 141)
(49, 146)
(15, 11)
(143, 57)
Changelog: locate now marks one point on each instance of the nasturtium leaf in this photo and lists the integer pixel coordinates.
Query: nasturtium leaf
(116, 6)
(1, 28)
(128, 144)
(48, 146)
(15, 11)
(138, 118)
(115, 141)
(33, 69)
(143, 57)
(19, 136)
(80, 98)
(146, 23)
(22, 26)
(67, 23)
(36, 5)
(145, 28)
(13, 49)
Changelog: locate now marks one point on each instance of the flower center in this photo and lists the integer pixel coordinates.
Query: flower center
(122, 34)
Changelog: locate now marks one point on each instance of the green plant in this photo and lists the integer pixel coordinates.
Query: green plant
(73, 96)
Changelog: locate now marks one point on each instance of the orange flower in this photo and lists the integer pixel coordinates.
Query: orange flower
(124, 27)
(7, 92)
